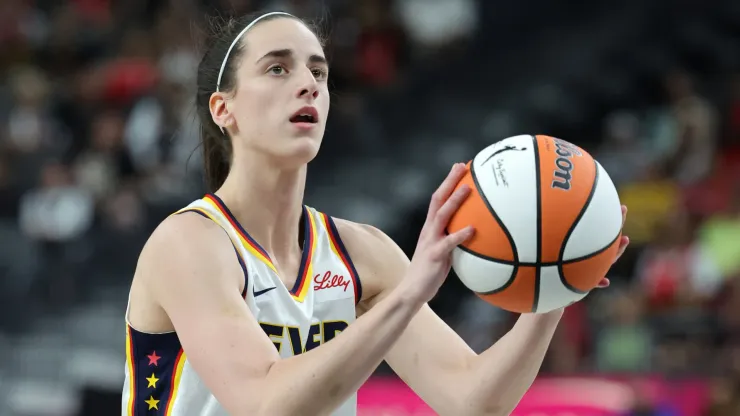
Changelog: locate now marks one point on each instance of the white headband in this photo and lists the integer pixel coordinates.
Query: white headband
(236, 41)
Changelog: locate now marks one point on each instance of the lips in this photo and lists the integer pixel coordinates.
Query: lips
(305, 115)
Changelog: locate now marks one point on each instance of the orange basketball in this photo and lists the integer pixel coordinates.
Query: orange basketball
(548, 223)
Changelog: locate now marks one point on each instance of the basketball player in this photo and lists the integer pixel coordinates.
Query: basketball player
(246, 302)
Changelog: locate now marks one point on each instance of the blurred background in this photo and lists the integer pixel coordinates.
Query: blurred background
(99, 142)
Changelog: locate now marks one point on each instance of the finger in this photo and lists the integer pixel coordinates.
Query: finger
(455, 239)
(623, 243)
(624, 214)
(604, 283)
(449, 208)
(445, 189)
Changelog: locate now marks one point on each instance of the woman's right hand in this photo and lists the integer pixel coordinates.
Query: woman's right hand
(432, 260)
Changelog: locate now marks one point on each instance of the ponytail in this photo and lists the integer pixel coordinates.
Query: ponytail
(216, 156)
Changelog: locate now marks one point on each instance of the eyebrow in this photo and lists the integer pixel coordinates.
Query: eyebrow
(288, 53)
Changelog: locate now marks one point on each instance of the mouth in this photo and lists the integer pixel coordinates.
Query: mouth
(305, 115)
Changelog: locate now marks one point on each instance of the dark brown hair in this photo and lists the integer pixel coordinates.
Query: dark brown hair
(217, 146)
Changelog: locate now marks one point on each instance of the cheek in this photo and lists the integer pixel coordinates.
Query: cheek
(325, 103)
(255, 104)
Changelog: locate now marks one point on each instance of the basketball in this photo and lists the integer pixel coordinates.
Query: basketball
(548, 222)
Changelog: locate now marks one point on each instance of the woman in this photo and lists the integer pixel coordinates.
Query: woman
(225, 321)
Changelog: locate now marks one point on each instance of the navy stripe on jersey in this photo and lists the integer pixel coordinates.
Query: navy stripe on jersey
(343, 251)
(155, 359)
(308, 248)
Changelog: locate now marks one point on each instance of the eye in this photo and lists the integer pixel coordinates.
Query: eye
(320, 73)
(277, 70)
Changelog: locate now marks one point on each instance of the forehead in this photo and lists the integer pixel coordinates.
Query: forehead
(281, 33)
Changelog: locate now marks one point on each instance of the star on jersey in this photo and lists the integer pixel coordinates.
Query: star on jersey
(153, 358)
(153, 404)
(152, 381)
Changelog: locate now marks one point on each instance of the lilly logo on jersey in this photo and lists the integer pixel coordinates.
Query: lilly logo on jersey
(328, 281)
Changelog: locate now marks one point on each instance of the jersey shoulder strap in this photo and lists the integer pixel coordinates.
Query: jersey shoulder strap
(206, 209)
(329, 236)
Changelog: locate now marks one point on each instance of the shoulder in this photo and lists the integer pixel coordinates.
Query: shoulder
(183, 247)
(380, 262)
(357, 234)
(185, 252)
(185, 231)
(367, 243)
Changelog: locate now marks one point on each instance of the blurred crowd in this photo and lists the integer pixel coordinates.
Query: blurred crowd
(99, 141)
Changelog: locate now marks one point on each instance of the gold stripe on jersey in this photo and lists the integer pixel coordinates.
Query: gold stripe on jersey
(131, 373)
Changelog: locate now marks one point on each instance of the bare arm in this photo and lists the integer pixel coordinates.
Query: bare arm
(228, 349)
(432, 359)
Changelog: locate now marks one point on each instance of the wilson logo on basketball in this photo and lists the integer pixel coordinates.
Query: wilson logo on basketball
(563, 164)
(328, 281)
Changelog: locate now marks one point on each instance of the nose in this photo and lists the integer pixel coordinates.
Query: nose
(308, 87)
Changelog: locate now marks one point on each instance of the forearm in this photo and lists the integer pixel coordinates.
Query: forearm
(504, 372)
(320, 380)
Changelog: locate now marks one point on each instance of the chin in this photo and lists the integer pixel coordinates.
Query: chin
(300, 151)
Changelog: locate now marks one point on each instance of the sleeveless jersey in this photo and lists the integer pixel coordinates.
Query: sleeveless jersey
(159, 379)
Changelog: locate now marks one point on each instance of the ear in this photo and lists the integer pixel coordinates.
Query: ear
(219, 110)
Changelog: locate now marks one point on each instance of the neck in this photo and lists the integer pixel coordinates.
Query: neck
(267, 201)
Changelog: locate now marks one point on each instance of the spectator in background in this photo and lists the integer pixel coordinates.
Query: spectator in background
(28, 124)
(675, 272)
(624, 341)
(622, 152)
(58, 210)
(650, 200)
(56, 215)
(9, 192)
(732, 137)
(106, 164)
(689, 138)
(678, 281)
(572, 342)
(134, 71)
(380, 48)
(727, 310)
(31, 133)
(435, 25)
(161, 135)
(719, 237)
(178, 59)
(124, 213)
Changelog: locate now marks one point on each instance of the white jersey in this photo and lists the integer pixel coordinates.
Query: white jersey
(160, 380)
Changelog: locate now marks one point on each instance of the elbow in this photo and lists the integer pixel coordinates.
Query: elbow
(262, 408)
(495, 405)
(251, 401)
(283, 407)
(489, 410)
